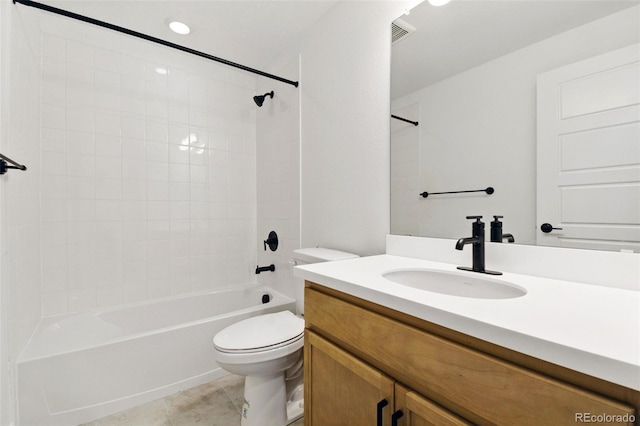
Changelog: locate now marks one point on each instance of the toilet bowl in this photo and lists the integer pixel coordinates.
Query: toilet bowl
(267, 350)
(263, 349)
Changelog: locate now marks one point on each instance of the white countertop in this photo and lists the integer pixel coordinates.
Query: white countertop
(588, 328)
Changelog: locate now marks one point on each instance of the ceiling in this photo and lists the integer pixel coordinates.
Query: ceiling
(254, 32)
(466, 33)
(248, 32)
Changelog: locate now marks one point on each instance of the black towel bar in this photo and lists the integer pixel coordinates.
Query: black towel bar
(489, 190)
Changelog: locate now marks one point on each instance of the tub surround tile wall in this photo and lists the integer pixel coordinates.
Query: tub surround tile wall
(148, 170)
(22, 189)
(278, 172)
(20, 192)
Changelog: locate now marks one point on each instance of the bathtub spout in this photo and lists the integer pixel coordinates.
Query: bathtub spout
(271, 268)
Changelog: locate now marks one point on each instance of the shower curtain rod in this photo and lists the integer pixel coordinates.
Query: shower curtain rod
(149, 38)
(415, 123)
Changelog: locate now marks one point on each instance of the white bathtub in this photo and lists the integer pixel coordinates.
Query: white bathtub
(81, 367)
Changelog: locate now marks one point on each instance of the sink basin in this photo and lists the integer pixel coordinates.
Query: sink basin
(471, 284)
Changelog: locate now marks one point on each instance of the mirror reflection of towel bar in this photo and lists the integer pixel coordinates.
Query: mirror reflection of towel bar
(415, 123)
(489, 190)
(3, 164)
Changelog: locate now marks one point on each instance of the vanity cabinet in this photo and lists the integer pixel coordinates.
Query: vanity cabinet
(349, 392)
(358, 353)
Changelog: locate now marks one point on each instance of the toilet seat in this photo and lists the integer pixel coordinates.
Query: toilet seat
(260, 334)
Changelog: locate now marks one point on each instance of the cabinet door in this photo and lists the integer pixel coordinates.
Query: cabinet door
(340, 389)
(419, 411)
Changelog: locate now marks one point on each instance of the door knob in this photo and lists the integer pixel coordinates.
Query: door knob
(547, 227)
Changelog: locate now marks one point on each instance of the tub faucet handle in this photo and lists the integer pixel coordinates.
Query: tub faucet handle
(271, 241)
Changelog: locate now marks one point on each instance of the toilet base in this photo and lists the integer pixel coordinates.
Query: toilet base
(294, 379)
(295, 406)
(265, 402)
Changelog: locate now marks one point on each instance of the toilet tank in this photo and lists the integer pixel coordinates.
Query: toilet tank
(305, 256)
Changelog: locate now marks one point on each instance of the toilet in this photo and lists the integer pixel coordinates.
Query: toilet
(267, 350)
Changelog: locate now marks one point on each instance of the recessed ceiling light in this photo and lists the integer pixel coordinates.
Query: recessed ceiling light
(438, 2)
(179, 27)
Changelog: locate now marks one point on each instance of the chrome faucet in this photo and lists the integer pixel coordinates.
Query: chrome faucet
(477, 239)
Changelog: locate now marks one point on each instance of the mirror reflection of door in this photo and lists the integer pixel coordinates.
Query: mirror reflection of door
(589, 153)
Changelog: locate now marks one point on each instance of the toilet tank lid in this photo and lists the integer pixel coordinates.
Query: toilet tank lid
(319, 254)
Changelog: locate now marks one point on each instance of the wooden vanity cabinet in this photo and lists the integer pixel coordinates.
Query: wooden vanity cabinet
(358, 354)
(348, 392)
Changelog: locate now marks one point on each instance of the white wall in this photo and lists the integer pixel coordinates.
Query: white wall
(478, 129)
(405, 172)
(345, 89)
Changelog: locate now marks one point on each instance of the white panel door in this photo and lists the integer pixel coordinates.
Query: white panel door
(589, 153)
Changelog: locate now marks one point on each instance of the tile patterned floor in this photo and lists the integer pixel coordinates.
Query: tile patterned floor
(217, 403)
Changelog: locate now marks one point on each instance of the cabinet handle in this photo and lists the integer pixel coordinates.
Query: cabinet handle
(383, 403)
(395, 416)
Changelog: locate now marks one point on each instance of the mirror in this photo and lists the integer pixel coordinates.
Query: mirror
(468, 75)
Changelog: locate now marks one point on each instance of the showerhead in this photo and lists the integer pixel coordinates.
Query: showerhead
(259, 100)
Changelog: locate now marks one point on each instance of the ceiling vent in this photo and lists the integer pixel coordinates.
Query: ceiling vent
(400, 30)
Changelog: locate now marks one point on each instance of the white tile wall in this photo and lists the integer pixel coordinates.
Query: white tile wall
(278, 172)
(149, 178)
(21, 190)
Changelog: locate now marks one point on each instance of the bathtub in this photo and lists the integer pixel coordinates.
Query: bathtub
(77, 368)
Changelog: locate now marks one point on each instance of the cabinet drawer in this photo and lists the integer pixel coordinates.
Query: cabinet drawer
(477, 386)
